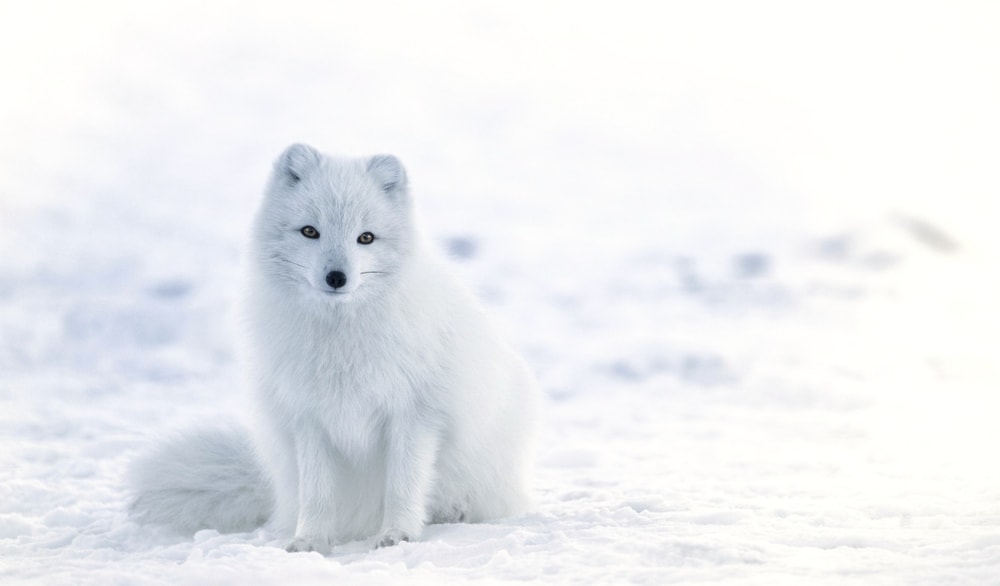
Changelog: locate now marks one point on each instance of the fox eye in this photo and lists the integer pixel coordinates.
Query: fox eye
(366, 238)
(309, 232)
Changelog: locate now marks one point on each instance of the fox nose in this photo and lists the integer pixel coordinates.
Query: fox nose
(336, 279)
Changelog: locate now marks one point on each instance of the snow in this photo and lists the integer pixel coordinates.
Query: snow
(748, 249)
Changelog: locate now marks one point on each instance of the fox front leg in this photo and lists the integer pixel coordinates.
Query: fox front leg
(314, 528)
(410, 452)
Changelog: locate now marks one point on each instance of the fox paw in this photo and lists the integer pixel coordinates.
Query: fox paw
(316, 544)
(390, 537)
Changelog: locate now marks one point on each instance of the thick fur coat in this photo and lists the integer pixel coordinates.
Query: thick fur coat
(384, 399)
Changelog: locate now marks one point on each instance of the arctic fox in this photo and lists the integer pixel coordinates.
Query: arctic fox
(384, 399)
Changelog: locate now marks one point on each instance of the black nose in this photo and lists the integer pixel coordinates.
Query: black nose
(336, 279)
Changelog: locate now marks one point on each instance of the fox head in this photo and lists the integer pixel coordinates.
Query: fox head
(337, 228)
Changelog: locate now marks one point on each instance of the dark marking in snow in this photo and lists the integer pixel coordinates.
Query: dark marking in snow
(928, 234)
(462, 247)
(751, 264)
(171, 289)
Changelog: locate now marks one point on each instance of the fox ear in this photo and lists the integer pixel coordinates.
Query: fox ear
(388, 172)
(295, 162)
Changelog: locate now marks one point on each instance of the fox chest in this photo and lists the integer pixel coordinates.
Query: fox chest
(351, 390)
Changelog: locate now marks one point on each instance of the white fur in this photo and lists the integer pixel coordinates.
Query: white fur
(383, 404)
(205, 479)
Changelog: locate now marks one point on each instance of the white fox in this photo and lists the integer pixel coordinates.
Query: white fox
(385, 401)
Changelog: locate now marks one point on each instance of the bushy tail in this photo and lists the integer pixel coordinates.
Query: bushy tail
(204, 479)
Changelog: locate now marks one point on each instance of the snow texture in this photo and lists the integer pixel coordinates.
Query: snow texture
(748, 249)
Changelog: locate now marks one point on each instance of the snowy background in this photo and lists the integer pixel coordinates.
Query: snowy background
(748, 249)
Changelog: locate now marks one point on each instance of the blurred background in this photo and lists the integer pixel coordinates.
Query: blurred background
(749, 248)
(824, 112)
(571, 136)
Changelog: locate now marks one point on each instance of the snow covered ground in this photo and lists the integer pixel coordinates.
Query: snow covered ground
(749, 251)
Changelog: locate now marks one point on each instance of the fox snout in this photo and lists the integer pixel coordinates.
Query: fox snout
(336, 279)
